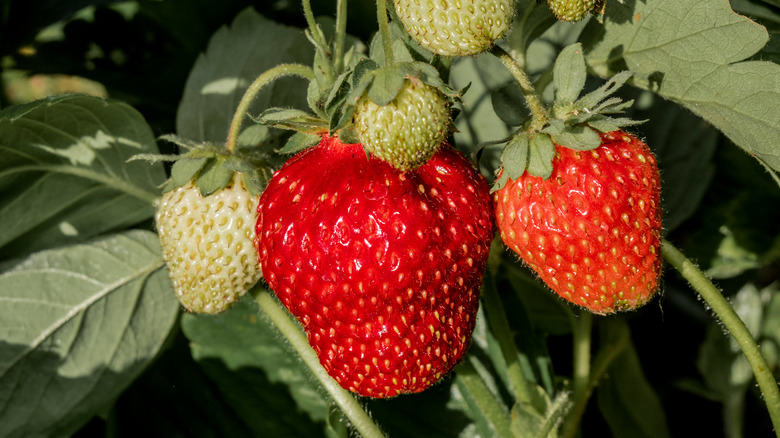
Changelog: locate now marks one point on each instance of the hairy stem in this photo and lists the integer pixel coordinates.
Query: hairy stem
(482, 402)
(494, 309)
(582, 327)
(384, 30)
(341, 35)
(292, 332)
(712, 296)
(538, 111)
(264, 79)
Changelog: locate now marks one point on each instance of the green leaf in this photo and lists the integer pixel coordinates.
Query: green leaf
(627, 401)
(235, 56)
(386, 85)
(541, 156)
(79, 324)
(65, 175)
(291, 119)
(515, 156)
(569, 74)
(185, 169)
(592, 100)
(213, 177)
(577, 137)
(690, 51)
(298, 142)
(242, 337)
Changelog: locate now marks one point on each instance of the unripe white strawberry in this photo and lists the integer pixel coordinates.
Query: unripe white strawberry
(455, 28)
(207, 244)
(407, 131)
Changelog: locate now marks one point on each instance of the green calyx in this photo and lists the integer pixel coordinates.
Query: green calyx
(576, 121)
(211, 167)
(401, 113)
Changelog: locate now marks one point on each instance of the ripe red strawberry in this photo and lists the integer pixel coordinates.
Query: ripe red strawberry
(592, 230)
(382, 268)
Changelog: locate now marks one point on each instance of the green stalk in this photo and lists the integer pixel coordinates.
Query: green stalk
(264, 79)
(482, 402)
(712, 296)
(494, 309)
(538, 111)
(341, 35)
(312, 23)
(582, 327)
(384, 31)
(292, 332)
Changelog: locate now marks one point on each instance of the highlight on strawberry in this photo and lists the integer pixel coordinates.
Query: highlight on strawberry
(381, 267)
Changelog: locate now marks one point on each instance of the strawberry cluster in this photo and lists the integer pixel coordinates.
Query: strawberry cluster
(375, 234)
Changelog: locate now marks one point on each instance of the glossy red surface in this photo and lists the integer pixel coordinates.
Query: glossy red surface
(382, 268)
(592, 230)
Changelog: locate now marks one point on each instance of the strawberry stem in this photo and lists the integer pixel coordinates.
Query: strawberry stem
(264, 79)
(582, 327)
(360, 420)
(494, 310)
(718, 303)
(532, 100)
(481, 402)
(384, 30)
(341, 35)
(584, 384)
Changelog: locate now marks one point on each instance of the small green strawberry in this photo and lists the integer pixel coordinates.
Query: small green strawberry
(407, 131)
(455, 28)
(592, 230)
(208, 244)
(572, 10)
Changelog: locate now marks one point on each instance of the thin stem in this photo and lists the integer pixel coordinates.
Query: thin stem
(494, 309)
(292, 332)
(538, 111)
(384, 30)
(482, 402)
(712, 296)
(614, 342)
(582, 325)
(264, 79)
(341, 35)
(519, 28)
(312, 23)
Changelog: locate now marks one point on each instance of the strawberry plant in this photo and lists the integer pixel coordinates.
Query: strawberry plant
(407, 218)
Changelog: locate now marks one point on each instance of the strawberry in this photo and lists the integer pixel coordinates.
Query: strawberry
(407, 131)
(571, 10)
(207, 244)
(382, 268)
(592, 230)
(456, 28)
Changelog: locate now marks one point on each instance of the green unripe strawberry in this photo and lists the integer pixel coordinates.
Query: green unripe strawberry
(455, 28)
(571, 10)
(407, 131)
(208, 246)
